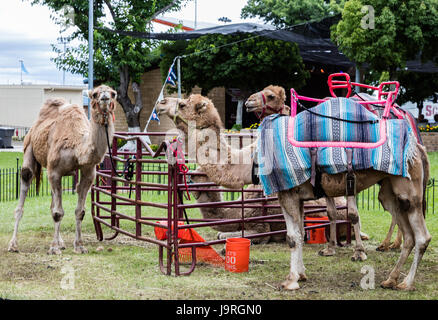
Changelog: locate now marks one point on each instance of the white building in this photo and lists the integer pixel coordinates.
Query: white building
(20, 104)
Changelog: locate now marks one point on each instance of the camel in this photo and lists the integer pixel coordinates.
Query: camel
(401, 196)
(64, 140)
(214, 171)
(234, 230)
(271, 100)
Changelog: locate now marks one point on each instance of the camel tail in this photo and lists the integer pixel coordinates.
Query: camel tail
(426, 176)
(38, 167)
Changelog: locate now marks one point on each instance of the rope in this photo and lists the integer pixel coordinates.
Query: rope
(128, 169)
(335, 118)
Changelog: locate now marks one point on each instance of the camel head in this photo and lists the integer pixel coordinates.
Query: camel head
(268, 101)
(196, 109)
(103, 100)
(170, 107)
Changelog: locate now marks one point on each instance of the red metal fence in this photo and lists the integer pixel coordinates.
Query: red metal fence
(114, 194)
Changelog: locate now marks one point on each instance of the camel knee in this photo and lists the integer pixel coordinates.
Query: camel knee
(57, 215)
(423, 243)
(80, 215)
(26, 175)
(291, 241)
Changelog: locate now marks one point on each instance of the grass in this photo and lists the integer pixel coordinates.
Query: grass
(130, 270)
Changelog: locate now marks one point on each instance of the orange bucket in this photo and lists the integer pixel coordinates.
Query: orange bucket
(315, 235)
(237, 254)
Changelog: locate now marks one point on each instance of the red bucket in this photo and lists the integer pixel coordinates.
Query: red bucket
(316, 235)
(237, 254)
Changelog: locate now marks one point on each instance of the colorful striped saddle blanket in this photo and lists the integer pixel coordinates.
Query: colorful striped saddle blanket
(283, 166)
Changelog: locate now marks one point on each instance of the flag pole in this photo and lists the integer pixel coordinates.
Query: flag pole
(178, 65)
(21, 72)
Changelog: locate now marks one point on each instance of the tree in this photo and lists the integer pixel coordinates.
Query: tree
(245, 62)
(387, 33)
(119, 60)
(284, 13)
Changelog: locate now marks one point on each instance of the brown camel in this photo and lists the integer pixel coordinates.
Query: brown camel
(234, 230)
(168, 106)
(64, 140)
(401, 196)
(271, 101)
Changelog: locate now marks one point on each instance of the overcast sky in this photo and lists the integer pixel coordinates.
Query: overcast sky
(26, 33)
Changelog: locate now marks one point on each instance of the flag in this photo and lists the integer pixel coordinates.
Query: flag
(154, 116)
(23, 68)
(171, 76)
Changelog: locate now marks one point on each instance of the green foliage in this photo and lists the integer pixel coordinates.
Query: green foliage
(402, 31)
(113, 52)
(250, 64)
(283, 13)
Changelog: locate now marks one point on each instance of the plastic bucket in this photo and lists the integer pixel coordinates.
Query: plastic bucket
(237, 254)
(316, 235)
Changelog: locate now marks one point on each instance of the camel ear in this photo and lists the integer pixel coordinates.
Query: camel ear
(283, 94)
(90, 94)
(201, 106)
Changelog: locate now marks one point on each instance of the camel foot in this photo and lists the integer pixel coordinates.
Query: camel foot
(54, 250)
(80, 249)
(13, 246)
(404, 287)
(61, 245)
(290, 285)
(326, 252)
(364, 236)
(389, 283)
(359, 255)
(302, 277)
(383, 247)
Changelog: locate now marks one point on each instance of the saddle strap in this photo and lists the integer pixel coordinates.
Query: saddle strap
(351, 177)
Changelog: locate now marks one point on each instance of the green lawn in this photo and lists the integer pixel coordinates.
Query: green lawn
(130, 270)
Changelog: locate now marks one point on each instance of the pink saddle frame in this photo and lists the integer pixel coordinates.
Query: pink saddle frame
(347, 84)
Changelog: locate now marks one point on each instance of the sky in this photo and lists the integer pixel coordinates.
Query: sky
(27, 32)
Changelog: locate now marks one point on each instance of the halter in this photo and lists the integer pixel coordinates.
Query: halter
(105, 114)
(266, 106)
(177, 116)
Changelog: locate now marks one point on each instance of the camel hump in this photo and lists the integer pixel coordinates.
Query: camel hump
(54, 103)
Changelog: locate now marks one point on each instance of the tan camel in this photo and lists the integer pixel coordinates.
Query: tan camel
(168, 106)
(401, 196)
(64, 140)
(269, 101)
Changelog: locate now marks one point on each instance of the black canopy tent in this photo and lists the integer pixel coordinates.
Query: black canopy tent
(312, 48)
(312, 38)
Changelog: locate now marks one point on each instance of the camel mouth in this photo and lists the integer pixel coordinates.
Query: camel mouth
(251, 108)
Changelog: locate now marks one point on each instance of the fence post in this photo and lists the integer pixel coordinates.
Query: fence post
(16, 181)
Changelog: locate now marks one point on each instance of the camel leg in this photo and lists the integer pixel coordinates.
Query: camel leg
(87, 178)
(421, 240)
(57, 211)
(398, 241)
(332, 215)
(27, 173)
(353, 214)
(293, 215)
(407, 247)
(390, 203)
(384, 246)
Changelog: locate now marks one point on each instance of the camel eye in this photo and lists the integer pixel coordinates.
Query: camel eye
(182, 104)
(113, 94)
(95, 95)
(271, 96)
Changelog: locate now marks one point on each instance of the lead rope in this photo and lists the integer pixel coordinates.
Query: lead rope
(128, 169)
